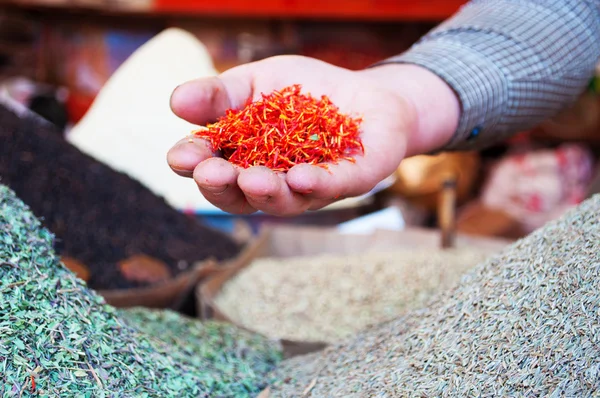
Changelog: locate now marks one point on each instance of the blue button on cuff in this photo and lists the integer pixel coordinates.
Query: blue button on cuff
(474, 133)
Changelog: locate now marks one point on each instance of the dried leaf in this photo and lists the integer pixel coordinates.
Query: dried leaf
(77, 267)
(144, 269)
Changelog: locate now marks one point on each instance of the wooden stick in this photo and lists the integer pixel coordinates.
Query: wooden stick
(447, 212)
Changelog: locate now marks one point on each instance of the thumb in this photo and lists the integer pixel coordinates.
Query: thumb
(203, 100)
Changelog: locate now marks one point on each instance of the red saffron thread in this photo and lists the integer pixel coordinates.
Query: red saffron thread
(283, 129)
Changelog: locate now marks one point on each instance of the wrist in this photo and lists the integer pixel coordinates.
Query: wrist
(436, 106)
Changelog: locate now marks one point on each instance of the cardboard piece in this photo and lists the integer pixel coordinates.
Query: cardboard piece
(163, 295)
(291, 241)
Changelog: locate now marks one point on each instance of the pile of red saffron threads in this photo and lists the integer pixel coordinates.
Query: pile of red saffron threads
(283, 129)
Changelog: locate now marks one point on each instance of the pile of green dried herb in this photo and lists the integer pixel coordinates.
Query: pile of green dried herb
(524, 323)
(99, 216)
(59, 339)
(330, 297)
(236, 359)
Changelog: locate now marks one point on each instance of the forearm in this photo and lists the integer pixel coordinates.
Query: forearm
(510, 64)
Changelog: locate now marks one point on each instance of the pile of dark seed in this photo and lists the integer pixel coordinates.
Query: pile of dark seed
(525, 323)
(99, 216)
(59, 339)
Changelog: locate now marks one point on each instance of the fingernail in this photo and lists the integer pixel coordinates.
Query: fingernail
(171, 96)
(183, 172)
(259, 199)
(215, 190)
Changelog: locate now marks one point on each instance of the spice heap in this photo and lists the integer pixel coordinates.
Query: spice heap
(59, 339)
(330, 297)
(102, 219)
(235, 362)
(283, 129)
(523, 323)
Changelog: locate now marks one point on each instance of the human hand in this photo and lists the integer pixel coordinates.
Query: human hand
(391, 129)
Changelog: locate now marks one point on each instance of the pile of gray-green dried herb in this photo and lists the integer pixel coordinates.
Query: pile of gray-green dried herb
(331, 297)
(237, 359)
(524, 323)
(59, 339)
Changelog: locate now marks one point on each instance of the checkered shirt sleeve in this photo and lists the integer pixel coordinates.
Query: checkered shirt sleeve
(511, 63)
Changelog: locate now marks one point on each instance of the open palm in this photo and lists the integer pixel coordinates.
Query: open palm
(387, 120)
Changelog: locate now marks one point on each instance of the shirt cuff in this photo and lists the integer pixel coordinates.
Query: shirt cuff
(512, 64)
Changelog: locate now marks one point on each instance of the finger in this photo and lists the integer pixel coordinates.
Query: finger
(336, 182)
(217, 180)
(187, 154)
(267, 191)
(320, 204)
(204, 100)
